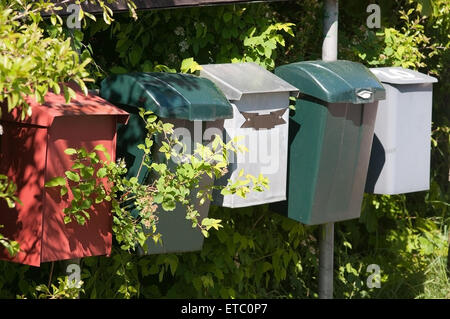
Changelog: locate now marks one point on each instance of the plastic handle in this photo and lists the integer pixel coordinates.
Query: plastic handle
(364, 94)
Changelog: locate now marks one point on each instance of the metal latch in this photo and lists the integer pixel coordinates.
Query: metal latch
(263, 121)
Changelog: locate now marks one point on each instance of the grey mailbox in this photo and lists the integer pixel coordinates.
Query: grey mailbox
(260, 103)
(400, 158)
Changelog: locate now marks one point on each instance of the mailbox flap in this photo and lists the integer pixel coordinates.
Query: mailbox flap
(237, 79)
(55, 106)
(398, 75)
(334, 81)
(168, 95)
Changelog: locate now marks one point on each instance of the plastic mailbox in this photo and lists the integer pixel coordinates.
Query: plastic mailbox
(192, 104)
(330, 139)
(32, 152)
(400, 158)
(260, 102)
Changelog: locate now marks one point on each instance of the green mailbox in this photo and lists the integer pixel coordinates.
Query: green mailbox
(189, 102)
(330, 139)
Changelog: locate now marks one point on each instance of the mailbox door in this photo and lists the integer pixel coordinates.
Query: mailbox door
(22, 159)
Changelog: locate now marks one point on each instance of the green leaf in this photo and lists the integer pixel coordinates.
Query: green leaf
(205, 233)
(78, 166)
(90, 16)
(226, 191)
(74, 177)
(168, 127)
(388, 51)
(135, 54)
(190, 66)
(70, 151)
(57, 181)
(67, 219)
(87, 172)
(64, 190)
(86, 204)
(101, 148)
(227, 16)
(102, 172)
(168, 205)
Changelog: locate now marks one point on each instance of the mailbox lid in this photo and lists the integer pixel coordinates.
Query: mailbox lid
(333, 81)
(55, 106)
(238, 79)
(168, 95)
(399, 75)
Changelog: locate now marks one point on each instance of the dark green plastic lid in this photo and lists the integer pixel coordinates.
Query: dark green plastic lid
(333, 81)
(168, 95)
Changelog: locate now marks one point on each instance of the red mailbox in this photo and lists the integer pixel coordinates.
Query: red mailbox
(32, 152)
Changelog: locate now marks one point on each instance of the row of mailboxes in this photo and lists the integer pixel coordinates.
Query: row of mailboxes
(316, 160)
(254, 104)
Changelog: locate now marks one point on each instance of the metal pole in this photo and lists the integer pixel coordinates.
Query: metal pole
(326, 240)
(330, 31)
(326, 254)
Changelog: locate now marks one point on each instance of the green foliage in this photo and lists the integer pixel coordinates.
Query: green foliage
(83, 182)
(236, 262)
(171, 184)
(406, 47)
(32, 63)
(64, 290)
(255, 254)
(11, 246)
(165, 40)
(260, 48)
(8, 193)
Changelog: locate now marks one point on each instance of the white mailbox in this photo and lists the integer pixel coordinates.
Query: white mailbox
(260, 103)
(400, 158)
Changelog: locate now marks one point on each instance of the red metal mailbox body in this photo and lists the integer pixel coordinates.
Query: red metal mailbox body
(32, 152)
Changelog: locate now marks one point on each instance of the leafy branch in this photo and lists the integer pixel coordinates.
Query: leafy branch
(174, 176)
